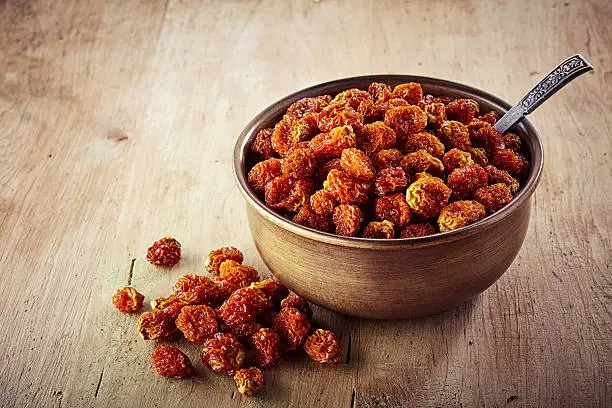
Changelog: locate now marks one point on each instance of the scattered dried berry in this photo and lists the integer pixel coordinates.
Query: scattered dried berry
(198, 290)
(459, 214)
(345, 189)
(128, 300)
(421, 161)
(156, 325)
(197, 323)
(169, 361)
(292, 327)
(427, 196)
(323, 347)
(347, 219)
(236, 324)
(424, 141)
(189, 282)
(223, 353)
(238, 274)
(206, 293)
(393, 208)
(266, 346)
(387, 158)
(299, 303)
(379, 230)
(171, 305)
(463, 110)
(466, 179)
(165, 252)
(242, 330)
(493, 197)
(274, 291)
(389, 180)
(299, 164)
(357, 164)
(417, 230)
(225, 288)
(249, 381)
(215, 258)
(242, 306)
(456, 158)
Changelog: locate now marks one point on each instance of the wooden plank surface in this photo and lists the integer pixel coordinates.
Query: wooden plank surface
(117, 122)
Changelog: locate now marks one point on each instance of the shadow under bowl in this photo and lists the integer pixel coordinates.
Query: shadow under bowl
(396, 278)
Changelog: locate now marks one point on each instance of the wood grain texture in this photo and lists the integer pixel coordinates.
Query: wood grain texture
(117, 122)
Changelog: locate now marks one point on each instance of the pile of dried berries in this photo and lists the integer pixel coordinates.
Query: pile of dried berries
(386, 163)
(237, 318)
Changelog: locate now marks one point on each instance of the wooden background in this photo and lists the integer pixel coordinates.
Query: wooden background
(117, 122)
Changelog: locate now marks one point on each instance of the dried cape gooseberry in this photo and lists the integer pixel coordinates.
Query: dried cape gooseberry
(165, 252)
(379, 230)
(216, 257)
(427, 196)
(323, 347)
(128, 300)
(459, 214)
(336, 163)
(169, 361)
(249, 380)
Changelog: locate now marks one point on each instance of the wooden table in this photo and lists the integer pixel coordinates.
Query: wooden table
(117, 123)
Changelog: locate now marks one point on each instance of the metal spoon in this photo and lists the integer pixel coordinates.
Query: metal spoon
(563, 74)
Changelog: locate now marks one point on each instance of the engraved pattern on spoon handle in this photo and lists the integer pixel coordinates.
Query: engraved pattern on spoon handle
(563, 74)
(560, 76)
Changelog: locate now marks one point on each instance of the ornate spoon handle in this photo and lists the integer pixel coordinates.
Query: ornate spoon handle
(563, 74)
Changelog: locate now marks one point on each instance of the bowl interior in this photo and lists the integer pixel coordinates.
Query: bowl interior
(244, 159)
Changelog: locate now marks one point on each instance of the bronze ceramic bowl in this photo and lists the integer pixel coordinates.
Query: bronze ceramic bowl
(396, 278)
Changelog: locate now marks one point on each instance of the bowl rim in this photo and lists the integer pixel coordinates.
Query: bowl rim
(243, 143)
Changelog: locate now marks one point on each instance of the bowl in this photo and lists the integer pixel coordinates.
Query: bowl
(394, 278)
